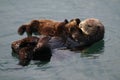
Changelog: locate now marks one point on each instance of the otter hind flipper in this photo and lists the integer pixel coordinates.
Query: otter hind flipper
(22, 29)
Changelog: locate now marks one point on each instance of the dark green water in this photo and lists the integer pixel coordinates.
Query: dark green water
(101, 61)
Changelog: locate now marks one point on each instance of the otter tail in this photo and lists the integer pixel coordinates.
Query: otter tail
(22, 29)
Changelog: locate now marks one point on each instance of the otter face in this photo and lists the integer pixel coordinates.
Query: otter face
(72, 28)
(91, 26)
(74, 33)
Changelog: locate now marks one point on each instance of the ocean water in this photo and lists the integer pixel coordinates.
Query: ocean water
(100, 61)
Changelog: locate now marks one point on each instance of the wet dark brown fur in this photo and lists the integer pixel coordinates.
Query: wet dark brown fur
(25, 55)
(32, 48)
(17, 45)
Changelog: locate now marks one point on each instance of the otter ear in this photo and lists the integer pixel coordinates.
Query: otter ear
(66, 21)
(34, 23)
(78, 21)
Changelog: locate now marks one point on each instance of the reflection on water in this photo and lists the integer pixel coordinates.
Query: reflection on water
(94, 50)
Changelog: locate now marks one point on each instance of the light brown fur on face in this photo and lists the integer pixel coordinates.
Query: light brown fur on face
(92, 30)
(91, 26)
(72, 24)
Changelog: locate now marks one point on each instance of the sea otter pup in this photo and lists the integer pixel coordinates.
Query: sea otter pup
(44, 27)
(92, 30)
(32, 48)
(52, 28)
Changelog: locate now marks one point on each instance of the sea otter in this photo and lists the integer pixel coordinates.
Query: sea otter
(52, 28)
(92, 30)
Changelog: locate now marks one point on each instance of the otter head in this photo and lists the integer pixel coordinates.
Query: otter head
(72, 28)
(91, 26)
